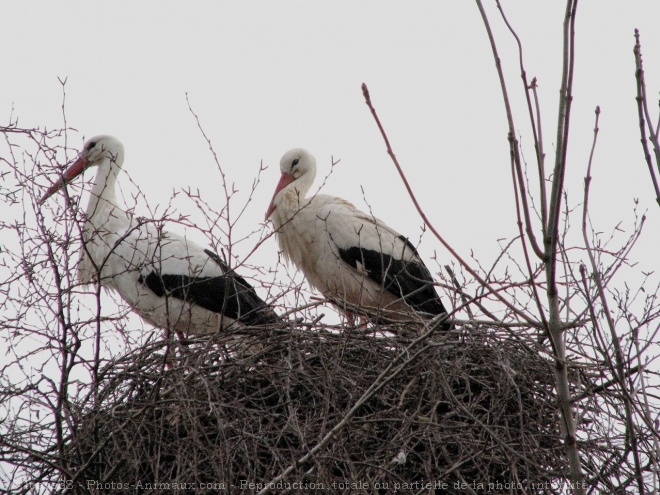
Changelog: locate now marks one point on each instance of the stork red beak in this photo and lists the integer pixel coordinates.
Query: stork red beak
(71, 173)
(285, 180)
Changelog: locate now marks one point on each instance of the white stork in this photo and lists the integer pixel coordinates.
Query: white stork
(358, 262)
(168, 280)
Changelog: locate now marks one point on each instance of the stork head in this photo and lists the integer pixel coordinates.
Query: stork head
(96, 151)
(298, 167)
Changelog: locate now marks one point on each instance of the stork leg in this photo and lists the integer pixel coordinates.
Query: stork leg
(355, 319)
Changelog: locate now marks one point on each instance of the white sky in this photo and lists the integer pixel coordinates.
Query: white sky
(265, 77)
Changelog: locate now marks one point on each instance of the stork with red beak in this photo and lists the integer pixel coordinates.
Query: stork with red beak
(169, 281)
(357, 261)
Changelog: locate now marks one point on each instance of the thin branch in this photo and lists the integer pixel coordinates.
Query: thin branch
(460, 291)
(520, 190)
(644, 118)
(514, 146)
(619, 370)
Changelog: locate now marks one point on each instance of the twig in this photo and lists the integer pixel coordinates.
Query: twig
(604, 386)
(460, 291)
(644, 118)
(619, 369)
(227, 192)
(514, 150)
(519, 188)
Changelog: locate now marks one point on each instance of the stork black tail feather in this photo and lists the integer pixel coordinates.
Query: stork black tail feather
(250, 308)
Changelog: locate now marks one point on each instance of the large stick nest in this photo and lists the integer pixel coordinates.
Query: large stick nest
(471, 408)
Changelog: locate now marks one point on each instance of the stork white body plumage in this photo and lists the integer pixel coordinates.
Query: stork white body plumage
(354, 259)
(168, 280)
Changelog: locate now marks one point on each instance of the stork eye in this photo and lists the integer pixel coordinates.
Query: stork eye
(91, 145)
(294, 163)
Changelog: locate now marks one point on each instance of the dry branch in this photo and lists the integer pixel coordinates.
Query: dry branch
(645, 122)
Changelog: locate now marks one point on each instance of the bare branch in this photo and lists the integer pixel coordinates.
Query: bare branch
(645, 118)
(619, 371)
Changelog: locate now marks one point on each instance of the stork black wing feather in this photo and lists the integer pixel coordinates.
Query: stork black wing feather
(228, 294)
(409, 280)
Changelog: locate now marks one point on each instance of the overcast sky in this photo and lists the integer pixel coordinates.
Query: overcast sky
(265, 77)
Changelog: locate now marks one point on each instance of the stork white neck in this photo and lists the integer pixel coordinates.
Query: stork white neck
(103, 194)
(298, 167)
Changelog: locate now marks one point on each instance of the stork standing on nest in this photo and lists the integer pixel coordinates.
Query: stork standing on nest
(169, 281)
(357, 261)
